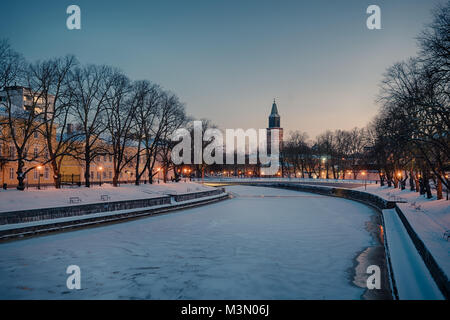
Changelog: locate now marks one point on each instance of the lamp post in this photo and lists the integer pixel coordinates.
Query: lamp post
(365, 180)
(100, 169)
(39, 168)
(446, 178)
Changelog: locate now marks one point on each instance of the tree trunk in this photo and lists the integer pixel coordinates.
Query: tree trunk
(116, 179)
(439, 189)
(427, 187)
(56, 175)
(411, 181)
(87, 174)
(20, 175)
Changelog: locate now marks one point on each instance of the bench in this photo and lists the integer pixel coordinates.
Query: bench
(447, 235)
(74, 200)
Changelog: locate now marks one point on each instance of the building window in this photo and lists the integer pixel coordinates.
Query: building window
(11, 151)
(110, 174)
(104, 158)
(35, 152)
(46, 173)
(98, 175)
(36, 134)
(104, 174)
(92, 174)
(110, 158)
(35, 174)
(11, 173)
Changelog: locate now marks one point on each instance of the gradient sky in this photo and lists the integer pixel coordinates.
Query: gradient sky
(227, 60)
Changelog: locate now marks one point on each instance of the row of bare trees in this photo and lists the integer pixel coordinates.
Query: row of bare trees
(409, 140)
(335, 154)
(84, 111)
(411, 132)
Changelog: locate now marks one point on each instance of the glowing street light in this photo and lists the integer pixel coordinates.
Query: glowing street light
(365, 180)
(39, 168)
(100, 169)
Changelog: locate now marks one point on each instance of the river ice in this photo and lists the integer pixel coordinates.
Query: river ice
(262, 244)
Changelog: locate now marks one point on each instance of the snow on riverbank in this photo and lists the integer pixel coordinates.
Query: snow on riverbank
(12, 200)
(412, 278)
(430, 218)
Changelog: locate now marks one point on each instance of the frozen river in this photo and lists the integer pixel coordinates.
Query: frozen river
(262, 244)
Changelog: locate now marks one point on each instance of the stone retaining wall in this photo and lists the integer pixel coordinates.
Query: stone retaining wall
(83, 209)
(22, 232)
(196, 195)
(361, 196)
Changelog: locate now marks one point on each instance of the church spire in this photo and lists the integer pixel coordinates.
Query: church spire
(274, 117)
(274, 108)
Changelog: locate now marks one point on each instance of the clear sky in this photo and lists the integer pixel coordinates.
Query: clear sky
(227, 60)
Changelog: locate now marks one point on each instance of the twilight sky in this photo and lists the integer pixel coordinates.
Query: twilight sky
(227, 60)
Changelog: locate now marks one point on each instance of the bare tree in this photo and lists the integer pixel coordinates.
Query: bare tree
(148, 99)
(172, 117)
(89, 86)
(121, 107)
(51, 78)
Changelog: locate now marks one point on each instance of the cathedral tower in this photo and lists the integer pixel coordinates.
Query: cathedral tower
(274, 123)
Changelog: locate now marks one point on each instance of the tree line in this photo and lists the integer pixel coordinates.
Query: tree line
(409, 138)
(84, 111)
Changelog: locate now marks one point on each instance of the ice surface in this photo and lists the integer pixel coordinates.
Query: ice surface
(262, 244)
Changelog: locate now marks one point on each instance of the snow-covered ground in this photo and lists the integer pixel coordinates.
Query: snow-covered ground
(12, 200)
(430, 218)
(262, 244)
(412, 278)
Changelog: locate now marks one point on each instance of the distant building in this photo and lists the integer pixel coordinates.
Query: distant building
(21, 99)
(274, 127)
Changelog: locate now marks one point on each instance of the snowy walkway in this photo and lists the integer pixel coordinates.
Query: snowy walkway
(429, 218)
(413, 280)
(12, 200)
(243, 248)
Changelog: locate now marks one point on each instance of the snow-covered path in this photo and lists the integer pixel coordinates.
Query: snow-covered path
(262, 244)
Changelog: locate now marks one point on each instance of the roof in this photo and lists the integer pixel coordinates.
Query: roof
(274, 112)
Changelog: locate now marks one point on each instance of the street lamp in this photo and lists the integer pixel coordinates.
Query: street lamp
(365, 180)
(100, 169)
(39, 168)
(446, 178)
